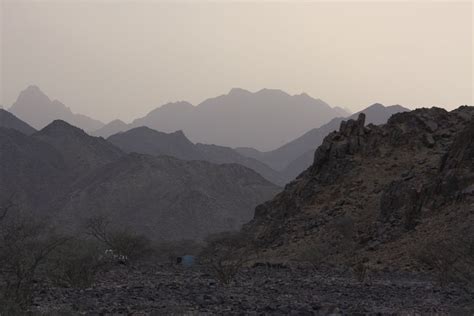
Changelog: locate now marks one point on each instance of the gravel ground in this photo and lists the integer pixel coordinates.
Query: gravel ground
(169, 290)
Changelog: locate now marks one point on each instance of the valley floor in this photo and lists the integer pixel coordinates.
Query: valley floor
(169, 290)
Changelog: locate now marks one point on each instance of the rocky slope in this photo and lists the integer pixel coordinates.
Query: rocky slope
(38, 110)
(63, 173)
(399, 185)
(8, 120)
(80, 152)
(166, 198)
(147, 141)
(31, 170)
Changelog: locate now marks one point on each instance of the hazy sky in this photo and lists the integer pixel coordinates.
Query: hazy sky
(111, 59)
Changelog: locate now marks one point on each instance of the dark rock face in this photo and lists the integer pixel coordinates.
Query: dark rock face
(398, 188)
(67, 175)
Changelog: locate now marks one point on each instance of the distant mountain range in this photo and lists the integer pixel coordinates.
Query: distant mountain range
(264, 119)
(147, 141)
(239, 117)
(38, 110)
(297, 155)
(69, 176)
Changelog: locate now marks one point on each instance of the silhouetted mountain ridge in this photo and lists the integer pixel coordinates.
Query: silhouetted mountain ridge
(38, 110)
(8, 120)
(147, 141)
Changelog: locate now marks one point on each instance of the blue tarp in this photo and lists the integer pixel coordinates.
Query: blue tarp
(188, 260)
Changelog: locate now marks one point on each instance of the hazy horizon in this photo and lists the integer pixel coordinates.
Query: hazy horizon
(112, 60)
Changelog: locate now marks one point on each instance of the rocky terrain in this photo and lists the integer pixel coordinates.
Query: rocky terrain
(166, 198)
(167, 290)
(395, 187)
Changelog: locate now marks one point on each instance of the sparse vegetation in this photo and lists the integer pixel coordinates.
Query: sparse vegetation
(316, 254)
(125, 244)
(77, 263)
(225, 254)
(25, 245)
(451, 260)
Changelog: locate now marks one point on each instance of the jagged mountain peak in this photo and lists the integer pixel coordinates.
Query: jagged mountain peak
(392, 181)
(37, 109)
(32, 93)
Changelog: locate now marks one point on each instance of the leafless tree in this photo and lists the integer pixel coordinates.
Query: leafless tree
(226, 254)
(25, 243)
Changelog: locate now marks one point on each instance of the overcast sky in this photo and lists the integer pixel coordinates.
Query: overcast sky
(110, 59)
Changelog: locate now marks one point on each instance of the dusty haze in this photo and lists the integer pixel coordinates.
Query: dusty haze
(122, 59)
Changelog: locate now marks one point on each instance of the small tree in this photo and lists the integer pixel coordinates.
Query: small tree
(25, 244)
(123, 242)
(315, 253)
(225, 254)
(451, 259)
(77, 263)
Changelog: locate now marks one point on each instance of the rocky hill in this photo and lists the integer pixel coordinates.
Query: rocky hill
(148, 141)
(166, 198)
(67, 175)
(80, 152)
(397, 186)
(8, 120)
(31, 170)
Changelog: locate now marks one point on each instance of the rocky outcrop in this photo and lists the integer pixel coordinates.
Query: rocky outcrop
(400, 183)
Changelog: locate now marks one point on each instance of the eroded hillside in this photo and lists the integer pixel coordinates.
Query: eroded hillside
(399, 185)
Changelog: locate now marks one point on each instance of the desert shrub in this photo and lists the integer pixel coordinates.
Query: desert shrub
(123, 242)
(77, 263)
(25, 245)
(360, 270)
(452, 260)
(225, 254)
(315, 253)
